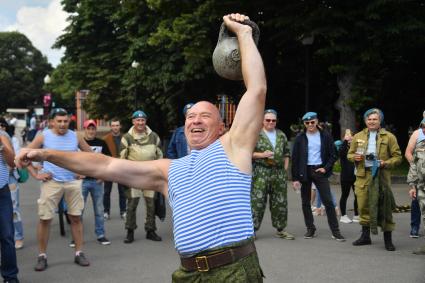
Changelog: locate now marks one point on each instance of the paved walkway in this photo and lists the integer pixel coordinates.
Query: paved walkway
(317, 260)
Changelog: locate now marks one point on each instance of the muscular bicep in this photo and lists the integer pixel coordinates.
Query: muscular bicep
(248, 120)
(151, 175)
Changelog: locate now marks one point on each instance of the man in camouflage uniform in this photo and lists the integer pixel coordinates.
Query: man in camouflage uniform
(374, 151)
(416, 176)
(271, 159)
(140, 143)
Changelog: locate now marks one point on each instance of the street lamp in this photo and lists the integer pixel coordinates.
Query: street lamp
(47, 79)
(307, 41)
(47, 99)
(135, 65)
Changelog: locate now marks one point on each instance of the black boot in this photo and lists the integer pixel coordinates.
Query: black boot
(130, 236)
(388, 242)
(151, 235)
(364, 237)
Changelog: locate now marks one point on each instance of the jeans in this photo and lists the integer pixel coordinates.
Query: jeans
(324, 189)
(319, 200)
(346, 187)
(415, 215)
(107, 197)
(96, 190)
(17, 220)
(9, 267)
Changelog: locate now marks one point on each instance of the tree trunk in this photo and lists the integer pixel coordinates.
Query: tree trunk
(346, 113)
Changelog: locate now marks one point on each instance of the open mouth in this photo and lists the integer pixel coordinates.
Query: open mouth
(197, 130)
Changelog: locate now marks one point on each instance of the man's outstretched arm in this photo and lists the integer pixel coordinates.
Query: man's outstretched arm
(150, 175)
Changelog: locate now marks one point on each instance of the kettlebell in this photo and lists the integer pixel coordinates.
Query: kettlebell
(226, 58)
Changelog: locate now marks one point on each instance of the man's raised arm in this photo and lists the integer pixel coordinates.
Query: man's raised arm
(248, 119)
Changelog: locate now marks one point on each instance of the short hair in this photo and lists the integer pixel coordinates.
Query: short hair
(57, 112)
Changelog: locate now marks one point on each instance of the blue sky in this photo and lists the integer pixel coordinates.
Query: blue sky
(42, 21)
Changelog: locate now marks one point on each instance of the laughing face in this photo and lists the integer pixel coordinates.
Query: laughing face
(203, 125)
(373, 122)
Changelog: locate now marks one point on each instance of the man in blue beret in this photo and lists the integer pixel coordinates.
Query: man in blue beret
(140, 143)
(415, 154)
(374, 151)
(313, 157)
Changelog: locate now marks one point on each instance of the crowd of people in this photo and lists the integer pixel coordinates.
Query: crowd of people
(217, 180)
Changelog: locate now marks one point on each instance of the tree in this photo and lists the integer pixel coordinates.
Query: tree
(357, 41)
(22, 69)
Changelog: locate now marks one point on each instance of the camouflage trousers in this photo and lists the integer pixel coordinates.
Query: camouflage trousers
(269, 182)
(132, 203)
(245, 270)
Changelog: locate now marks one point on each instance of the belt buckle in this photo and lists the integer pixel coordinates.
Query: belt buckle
(199, 259)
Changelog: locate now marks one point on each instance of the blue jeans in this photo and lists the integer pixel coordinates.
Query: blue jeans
(96, 190)
(9, 267)
(415, 215)
(17, 220)
(319, 200)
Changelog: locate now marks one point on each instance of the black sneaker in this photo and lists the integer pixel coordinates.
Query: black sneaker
(41, 263)
(81, 260)
(337, 236)
(151, 235)
(15, 280)
(72, 244)
(311, 233)
(103, 241)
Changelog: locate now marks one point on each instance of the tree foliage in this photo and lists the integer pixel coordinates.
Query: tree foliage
(173, 42)
(22, 69)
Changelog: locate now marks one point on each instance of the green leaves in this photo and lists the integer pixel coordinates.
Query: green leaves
(22, 69)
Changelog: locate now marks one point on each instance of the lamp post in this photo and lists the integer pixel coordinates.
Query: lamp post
(47, 98)
(307, 41)
(135, 65)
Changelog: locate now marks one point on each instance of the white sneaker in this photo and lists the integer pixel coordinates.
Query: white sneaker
(106, 216)
(356, 218)
(345, 219)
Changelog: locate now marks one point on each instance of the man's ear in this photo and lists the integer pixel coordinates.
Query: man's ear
(222, 128)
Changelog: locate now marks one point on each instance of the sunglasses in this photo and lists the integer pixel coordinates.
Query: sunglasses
(310, 122)
(270, 120)
(58, 112)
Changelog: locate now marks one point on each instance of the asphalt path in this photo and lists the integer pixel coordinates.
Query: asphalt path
(315, 260)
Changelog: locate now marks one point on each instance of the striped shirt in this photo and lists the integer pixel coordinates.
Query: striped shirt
(66, 142)
(210, 199)
(4, 171)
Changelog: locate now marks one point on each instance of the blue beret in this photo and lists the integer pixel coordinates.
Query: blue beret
(270, 111)
(139, 114)
(187, 107)
(309, 116)
(375, 111)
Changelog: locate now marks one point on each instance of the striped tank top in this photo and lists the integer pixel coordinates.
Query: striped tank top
(210, 199)
(4, 171)
(421, 136)
(66, 142)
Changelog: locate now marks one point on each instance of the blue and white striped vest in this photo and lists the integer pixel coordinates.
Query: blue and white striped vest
(66, 142)
(210, 199)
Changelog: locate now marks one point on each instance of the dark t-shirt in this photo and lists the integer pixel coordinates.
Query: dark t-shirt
(98, 146)
(117, 140)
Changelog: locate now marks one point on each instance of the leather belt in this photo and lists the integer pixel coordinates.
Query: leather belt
(316, 166)
(206, 262)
